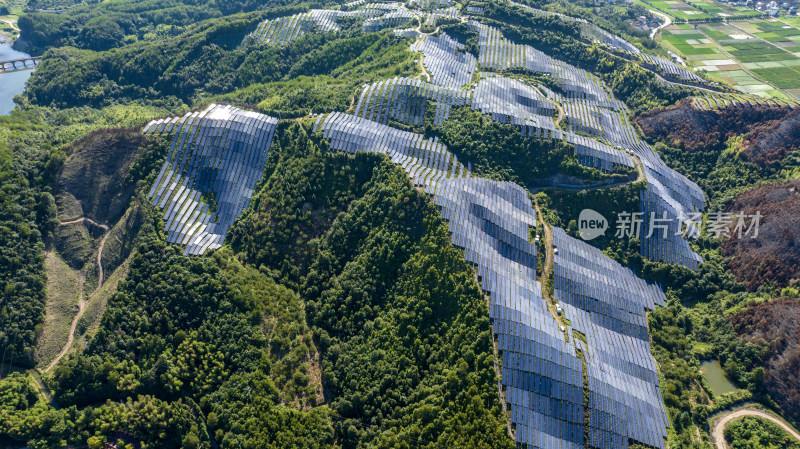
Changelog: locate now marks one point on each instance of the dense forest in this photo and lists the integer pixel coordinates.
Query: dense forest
(214, 344)
(26, 215)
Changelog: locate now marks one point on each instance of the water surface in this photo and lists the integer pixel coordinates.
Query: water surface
(716, 378)
(11, 83)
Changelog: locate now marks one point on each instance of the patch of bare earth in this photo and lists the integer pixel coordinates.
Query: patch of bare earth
(776, 325)
(774, 256)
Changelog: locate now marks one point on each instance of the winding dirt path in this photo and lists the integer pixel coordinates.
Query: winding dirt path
(422, 67)
(106, 229)
(549, 262)
(718, 430)
(418, 29)
(82, 301)
(11, 24)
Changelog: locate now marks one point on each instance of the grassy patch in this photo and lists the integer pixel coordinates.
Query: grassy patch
(90, 320)
(63, 292)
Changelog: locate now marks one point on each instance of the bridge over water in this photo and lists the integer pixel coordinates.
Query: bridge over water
(19, 64)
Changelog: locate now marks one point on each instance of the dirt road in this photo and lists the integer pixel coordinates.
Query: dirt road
(82, 301)
(718, 435)
(11, 24)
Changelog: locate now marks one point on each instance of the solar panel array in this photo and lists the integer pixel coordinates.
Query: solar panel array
(661, 206)
(352, 5)
(672, 69)
(590, 107)
(284, 30)
(219, 152)
(541, 371)
(607, 303)
(436, 14)
(504, 99)
(406, 32)
(405, 100)
(430, 4)
(718, 100)
(451, 12)
(425, 160)
(498, 53)
(389, 20)
(510, 101)
(447, 61)
(542, 375)
(609, 124)
(594, 33)
(592, 153)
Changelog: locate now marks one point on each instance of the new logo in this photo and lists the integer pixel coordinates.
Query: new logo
(591, 224)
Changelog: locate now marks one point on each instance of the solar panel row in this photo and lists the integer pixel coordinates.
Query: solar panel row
(430, 4)
(405, 100)
(283, 30)
(219, 152)
(407, 32)
(594, 33)
(447, 61)
(719, 100)
(607, 303)
(389, 20)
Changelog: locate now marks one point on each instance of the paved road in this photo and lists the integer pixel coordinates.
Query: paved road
(667, 22)
(718, 435)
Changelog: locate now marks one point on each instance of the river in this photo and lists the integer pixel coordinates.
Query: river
(11, 83)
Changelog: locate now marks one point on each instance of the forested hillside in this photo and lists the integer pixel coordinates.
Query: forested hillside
(282, 224)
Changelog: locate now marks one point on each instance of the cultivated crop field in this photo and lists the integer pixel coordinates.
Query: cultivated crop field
(723, 9)
(758, 56)
(700, 10)
(679, 9)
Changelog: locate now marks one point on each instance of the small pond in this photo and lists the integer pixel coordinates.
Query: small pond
(716, 378)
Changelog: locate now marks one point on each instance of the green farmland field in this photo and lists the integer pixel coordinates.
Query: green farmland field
(781, 77)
